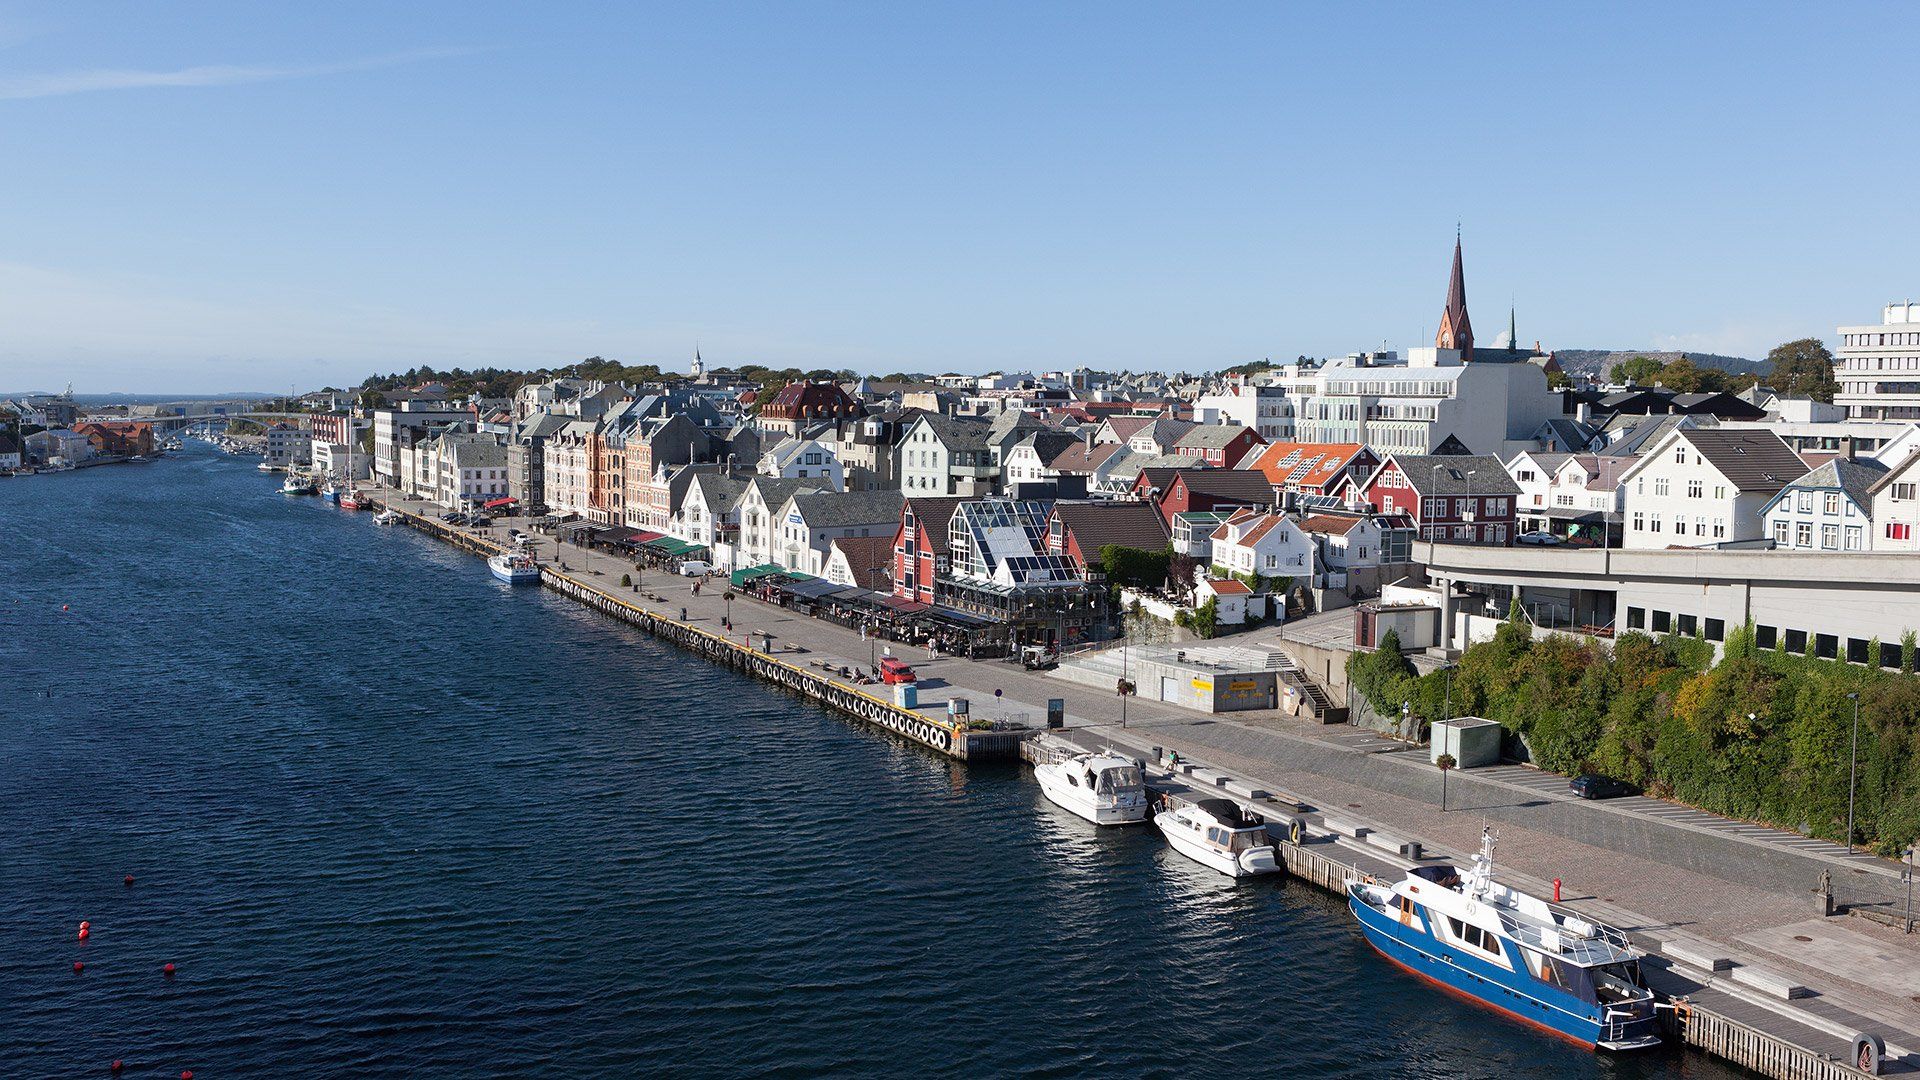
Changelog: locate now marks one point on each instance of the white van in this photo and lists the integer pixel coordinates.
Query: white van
(694, 568)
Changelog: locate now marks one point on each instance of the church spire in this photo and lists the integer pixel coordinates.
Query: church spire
(1456, 332)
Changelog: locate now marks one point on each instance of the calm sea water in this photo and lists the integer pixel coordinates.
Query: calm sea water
(391, 818)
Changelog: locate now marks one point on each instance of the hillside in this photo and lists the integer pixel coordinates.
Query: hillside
(1597, 362)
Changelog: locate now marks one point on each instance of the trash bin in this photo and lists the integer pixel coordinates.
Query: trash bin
(906, 695)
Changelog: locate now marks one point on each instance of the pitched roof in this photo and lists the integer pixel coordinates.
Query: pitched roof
(1081, 459)
(1211, 436)
(1856, 478)
(1048, 445)
(1446, 474)
(1097, 524)
(958, 434)
(1228, 587)
(1126, 427)
(1229, 483)
(841, 509)
(934, 510)
(1750, 460)
(1249, 525)
(719, 493)
(869, 558)
(1304, 464)
(1330, 524)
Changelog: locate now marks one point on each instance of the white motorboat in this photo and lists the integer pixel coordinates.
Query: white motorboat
(386, 517)
(1217, 833)
(1104, 788)
(295, 484)
(515, 567)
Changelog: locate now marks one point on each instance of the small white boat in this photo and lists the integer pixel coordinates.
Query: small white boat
(1217, 833)
(386, 517)
(1104, 788)
(295, 484)
(515, 567)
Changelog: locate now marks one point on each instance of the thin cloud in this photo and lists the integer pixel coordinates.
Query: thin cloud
(56, 84)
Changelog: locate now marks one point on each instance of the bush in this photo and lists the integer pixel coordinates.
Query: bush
(626, 581)
(1761, 735)
(1132, 566)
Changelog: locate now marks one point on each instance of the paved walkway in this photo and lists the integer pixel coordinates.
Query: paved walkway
(1644, 867)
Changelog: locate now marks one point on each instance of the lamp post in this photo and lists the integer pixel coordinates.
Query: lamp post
(1853, 767)
(1448, 711)
(1126, 688)
(728, 597)
(1909, 877)
(1445, 762)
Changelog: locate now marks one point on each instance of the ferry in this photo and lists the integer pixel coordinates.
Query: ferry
(1537, 961)
(515, 568)
(1217, 833)
(1104, 788)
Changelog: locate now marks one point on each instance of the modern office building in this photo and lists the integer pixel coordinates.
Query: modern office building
(1878, 367)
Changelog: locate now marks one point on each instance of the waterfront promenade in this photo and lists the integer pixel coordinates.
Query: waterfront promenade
(1710, 894)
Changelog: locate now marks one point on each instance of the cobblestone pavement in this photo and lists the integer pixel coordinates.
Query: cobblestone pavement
(1711, 886)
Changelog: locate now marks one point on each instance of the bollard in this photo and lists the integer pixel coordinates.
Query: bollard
(1556, 890)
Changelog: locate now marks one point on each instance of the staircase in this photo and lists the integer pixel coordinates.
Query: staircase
(1314, 701)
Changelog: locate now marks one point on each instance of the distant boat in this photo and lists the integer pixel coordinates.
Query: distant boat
(295, 484)
(355, 500)
(386, 517)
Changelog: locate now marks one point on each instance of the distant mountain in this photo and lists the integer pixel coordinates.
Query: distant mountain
(1597, 362)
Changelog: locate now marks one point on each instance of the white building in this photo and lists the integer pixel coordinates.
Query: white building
(1269, 545)
(1828, 509)
(472, 468)
(1492, 408)
(333, 458)
(944, 455)
(1878, 367)
(1699, 487)
(564, 461)
(390, 434)
(794, 459)
(1896, 506)
(809, 523)
(759, 507)
(1266, 407)
(1563, 492)
(288, 446)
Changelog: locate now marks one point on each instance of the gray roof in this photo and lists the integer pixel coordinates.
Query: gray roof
(1750, 460)
(718, 492)
(841, 509)
(540, 425)
(776, 490)
(1856, 478)
(1097, 524)
(1049, 444)
(478, 452)
(1446, 474)
(1211, 436)
(956, 433)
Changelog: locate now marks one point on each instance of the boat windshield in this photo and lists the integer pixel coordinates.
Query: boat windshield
(1246, 839)
(1618, 982)
(1122, 778)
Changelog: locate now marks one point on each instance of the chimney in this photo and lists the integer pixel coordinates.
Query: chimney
(1846, 447)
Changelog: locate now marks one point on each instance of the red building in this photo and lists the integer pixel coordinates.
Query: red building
(118, 438)
(1462, 499)
(1179, 490)
(1081, 529)
(802, 404)
(920, 547)
(1222, 446)
(1312, 468)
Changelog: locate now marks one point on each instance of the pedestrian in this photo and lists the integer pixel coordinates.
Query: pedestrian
(996, 693)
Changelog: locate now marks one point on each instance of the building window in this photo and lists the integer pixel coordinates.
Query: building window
(1660, 486)
(1766, 637)
(1805, 502)
(1695, 489)
(1858, 651)
(1902, 492)
(1899, 530)
(1830, 537)
(1719, 528)
(1636, 618)
(1794, 641)
(1803, 534)
(1826, 646)
(1890, 654)
(1832, 501)
(1716, 630)
(1639, 522)
(1686, 624)
(1855, 535)
(1662, 621)
(1780, 534)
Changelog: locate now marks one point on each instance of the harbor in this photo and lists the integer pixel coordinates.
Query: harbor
(1778, 1021)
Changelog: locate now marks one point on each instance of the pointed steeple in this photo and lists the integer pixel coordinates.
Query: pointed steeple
(1456, 332)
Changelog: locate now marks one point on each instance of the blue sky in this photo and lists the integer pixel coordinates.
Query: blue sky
(205, 197)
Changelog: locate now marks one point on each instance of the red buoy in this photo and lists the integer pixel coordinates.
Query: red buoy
(186, 1074)
(63, 607)
(78, 967)
(116, 1066)
(84, 924)
(169, 968)
(128, 880)
(83, 931)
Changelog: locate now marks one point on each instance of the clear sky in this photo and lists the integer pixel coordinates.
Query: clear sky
(201, 197)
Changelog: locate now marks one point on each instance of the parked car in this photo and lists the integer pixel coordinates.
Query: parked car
(1544, 539)
(456, 518)
(694, 568)
(449, 515)
(895, 670)
(1595, 786)
(480, 521)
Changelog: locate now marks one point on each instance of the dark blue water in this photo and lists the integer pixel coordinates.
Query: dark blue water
(391, 818)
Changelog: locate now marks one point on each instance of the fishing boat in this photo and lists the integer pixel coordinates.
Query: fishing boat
(1537, 961)
(386, 517)
(1219, 834)
(295, 484)
(354, 499)
(330, 492)
(516, 567)
(1104, 788)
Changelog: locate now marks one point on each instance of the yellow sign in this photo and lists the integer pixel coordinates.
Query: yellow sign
(1203, 685)
(1243, 684)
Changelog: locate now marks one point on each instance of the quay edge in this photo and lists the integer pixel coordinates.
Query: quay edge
(933, 732)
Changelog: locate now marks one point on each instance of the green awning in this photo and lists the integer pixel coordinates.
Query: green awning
(752, 573)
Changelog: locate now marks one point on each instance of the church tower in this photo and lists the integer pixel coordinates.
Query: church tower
(699, 367)
(1455, 331)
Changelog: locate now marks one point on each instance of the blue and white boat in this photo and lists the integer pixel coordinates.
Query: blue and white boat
(1539, 962)
(515, 567)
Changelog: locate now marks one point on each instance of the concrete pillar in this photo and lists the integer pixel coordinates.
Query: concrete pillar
(1446, 612)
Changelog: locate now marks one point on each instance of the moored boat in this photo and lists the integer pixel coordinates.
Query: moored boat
(354, 500)
(295, 484)
(386, 517)
(515, 567)
(1219, 834)
(1104, 788)
(1540, 962)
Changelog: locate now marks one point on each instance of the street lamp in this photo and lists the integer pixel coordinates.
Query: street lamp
(1445, 762)
(1448, 711)
(728, 596)
(1853, 767)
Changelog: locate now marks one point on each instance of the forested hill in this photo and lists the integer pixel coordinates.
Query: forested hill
(1597, 362)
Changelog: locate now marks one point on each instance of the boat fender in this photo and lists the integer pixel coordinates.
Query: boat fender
(1295, 833)
(1471, 908)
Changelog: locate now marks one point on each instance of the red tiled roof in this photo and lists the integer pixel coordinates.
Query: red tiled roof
(1229, 587)
(1302, 464)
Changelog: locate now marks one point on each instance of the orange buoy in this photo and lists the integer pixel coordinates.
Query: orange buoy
(168, 969)
(78, 967)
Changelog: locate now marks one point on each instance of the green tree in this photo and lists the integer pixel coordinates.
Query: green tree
(1637, 372)
(1803, 368)
(1132, 566)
